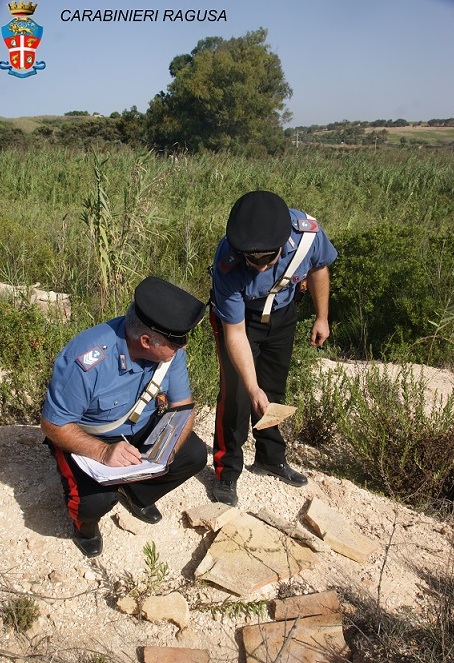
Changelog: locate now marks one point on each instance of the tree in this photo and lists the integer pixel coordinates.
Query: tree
(131, 126)
(224, 94)
(78, 113)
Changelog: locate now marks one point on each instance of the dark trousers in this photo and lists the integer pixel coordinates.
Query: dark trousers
(272, 346)
(87, 500)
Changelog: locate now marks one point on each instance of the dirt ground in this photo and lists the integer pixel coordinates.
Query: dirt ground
(76, 596)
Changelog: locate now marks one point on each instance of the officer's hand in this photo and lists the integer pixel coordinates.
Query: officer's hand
(259, 401)
(120, 454)
(319, 332)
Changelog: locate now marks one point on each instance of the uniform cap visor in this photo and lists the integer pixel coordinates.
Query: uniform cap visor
(167, 309)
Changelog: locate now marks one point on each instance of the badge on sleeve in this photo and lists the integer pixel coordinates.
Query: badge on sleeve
(308, 225)
(91, 357)
(227, 263)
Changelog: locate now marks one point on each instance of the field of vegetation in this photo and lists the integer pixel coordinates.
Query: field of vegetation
(93, 222)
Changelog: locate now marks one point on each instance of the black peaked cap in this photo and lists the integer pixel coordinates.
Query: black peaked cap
(259, 221)
(167, 309)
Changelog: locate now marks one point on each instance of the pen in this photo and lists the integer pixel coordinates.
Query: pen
(126, 440)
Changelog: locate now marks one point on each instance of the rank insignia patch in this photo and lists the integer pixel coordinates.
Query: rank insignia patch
(307, 225)
(91, 357)
(228, 263)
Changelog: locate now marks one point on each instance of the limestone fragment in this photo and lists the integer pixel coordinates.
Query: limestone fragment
(247, 554)
(338, 533)
(171, 608)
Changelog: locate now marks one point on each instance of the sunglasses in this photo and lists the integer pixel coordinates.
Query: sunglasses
(261, 259)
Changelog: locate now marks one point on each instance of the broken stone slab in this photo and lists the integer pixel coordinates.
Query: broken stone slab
(307, 605)
(170, 608)
(338, 533)
(247, 554)
(306, 640)
(296, 531)
(175, 655)
(213, 515)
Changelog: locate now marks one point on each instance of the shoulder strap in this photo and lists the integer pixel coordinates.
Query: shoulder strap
(134, 413)
(284, 280)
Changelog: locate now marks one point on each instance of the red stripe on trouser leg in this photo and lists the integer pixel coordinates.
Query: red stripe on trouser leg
(71, 490)
(217, 458)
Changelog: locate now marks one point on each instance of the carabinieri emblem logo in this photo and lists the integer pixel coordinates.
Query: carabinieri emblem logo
(22, 37)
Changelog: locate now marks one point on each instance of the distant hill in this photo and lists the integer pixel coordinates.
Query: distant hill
(126, 128)
(432, 135)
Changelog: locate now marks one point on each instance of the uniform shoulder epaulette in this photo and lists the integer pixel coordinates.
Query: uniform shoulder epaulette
(228, 262)
(91, 358)
(303, 222)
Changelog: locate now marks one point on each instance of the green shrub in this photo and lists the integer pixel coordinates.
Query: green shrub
(374, 428)
(406, 448)
(20, 614)
(26, 257)
(29, 343)
(387, 285)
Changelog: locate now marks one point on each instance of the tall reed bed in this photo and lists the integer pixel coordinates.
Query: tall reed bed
(93, 224)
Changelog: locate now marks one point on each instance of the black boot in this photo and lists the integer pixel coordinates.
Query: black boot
(225, 492)
(90, 545)
(283, 471)
(149, 514)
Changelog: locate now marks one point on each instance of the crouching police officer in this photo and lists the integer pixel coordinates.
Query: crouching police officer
(97, 379)
(269, 251)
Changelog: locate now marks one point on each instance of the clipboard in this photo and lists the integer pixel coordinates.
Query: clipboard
(156, 442)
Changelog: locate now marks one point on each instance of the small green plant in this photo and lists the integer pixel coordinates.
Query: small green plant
(156, 571)
(235, 609)
(152, 578)
(20, 614)
(99, 658)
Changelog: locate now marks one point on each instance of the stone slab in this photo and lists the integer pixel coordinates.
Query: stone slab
(338, 533)
(247, 554)
(295, 530)
(308, 605)
(306, 640)
(175, 655)
(213, 515)
(172, 607)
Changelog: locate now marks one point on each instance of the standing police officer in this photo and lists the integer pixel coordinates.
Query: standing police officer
(99, 385)
(254, 328)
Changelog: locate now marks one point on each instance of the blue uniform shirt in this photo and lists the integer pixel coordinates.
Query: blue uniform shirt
(95, 382)
(237, 286)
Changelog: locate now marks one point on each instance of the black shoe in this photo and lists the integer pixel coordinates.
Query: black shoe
(90, 547)
(149, 514)
(225, 492)
(283, 472)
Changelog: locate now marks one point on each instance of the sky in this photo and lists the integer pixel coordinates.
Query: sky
(343, 59)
